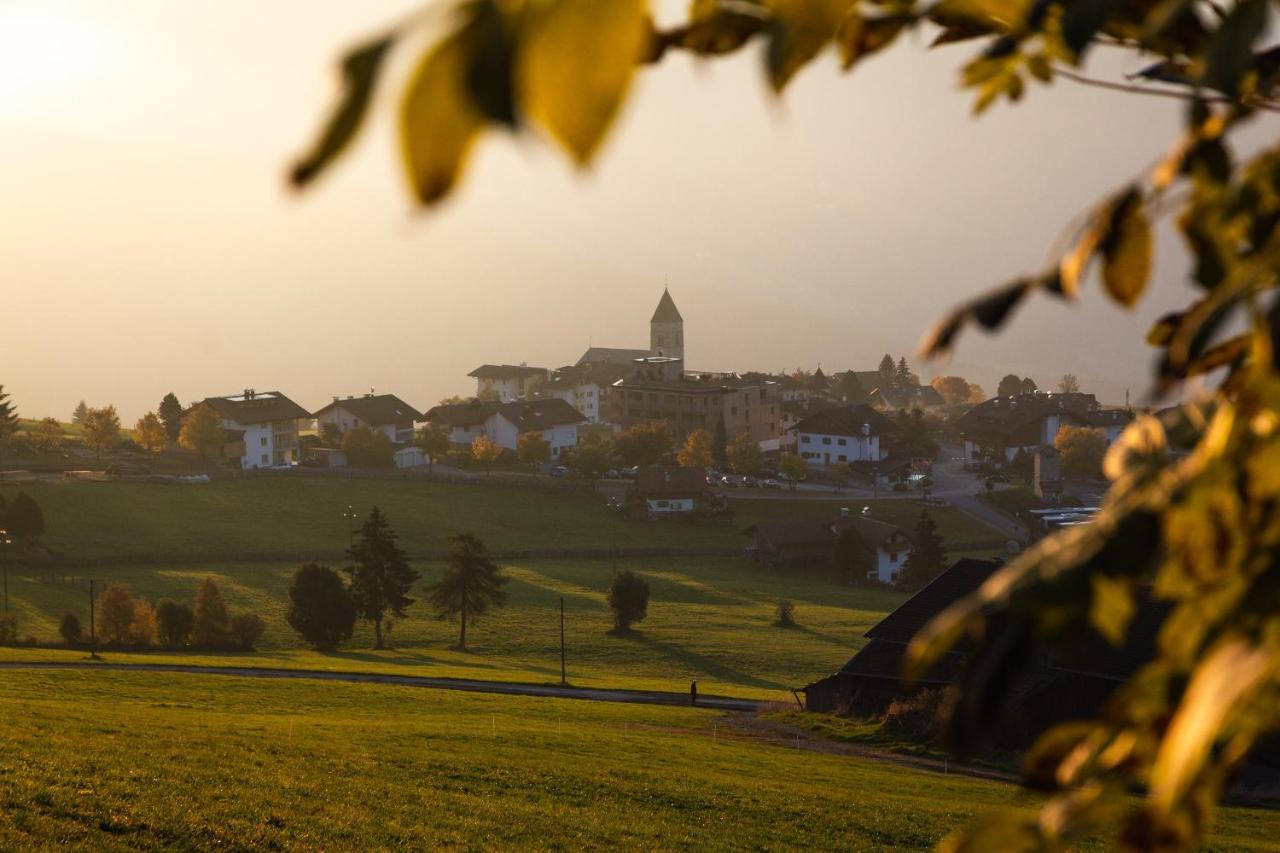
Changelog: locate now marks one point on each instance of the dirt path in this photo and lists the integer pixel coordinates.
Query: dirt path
(784, 735)
(513, 688)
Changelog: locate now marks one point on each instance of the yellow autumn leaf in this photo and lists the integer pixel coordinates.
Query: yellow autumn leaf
(1220, 684)
(575, 65)
(1126, 254)
(804, 28)
(438, 122)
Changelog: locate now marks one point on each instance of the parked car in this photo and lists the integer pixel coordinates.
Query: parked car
(630, 473)
(772, 483)
(731, 481)
(713, 479)
(559, 471)
(611, 474)
(750, 482)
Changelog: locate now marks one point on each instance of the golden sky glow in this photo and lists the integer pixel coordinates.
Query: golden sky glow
(147, 242)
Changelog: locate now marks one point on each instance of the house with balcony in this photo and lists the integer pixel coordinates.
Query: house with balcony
(261, 428)
(384, 413)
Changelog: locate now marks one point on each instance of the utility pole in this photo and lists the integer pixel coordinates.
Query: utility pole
(93, 631)
(8, 547)
(350, 516)
(563, 680)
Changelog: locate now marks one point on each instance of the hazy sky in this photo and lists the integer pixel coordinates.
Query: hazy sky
(147, 242)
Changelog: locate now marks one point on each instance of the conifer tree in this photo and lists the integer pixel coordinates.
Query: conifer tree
(471, 585)
(927, 558)
(170, 413)
(380, 577)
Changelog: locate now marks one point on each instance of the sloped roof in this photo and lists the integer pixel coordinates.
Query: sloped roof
(905, 398)
(536, 415)
(468, 414)
(257, 407)
(377, 409)
(1005, 416)
(506, 371)
(782, 532)
(963, 577)
(601, 373)
(666, 312)
(611, 355)
(845, 420)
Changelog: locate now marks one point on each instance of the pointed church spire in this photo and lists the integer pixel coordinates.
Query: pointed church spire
(666, 312)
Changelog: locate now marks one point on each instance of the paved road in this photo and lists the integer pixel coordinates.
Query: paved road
(512, 688)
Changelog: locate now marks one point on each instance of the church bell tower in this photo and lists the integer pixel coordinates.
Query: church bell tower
(666, 328)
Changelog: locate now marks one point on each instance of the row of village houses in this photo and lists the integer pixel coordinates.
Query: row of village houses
(263, 427)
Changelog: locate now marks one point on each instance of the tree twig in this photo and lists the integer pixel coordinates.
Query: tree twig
(1131, 89)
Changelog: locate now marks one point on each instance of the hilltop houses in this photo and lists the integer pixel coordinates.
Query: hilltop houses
(261, 428)
(842, 434)
(385, 413)
(1002, 426)
(504, 423)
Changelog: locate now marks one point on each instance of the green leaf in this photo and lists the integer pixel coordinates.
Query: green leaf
(576, 61)
(1126, 250)
(1230, 51)
(360, 70)
(438, 120)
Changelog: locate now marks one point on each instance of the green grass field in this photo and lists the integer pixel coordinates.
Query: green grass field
(709, 619)
(124, 761)
(288, 517)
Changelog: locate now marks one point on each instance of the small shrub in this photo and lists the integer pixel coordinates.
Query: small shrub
(914, 717)
(70, 629)
(786, 613)
(8, 629)
(142, 632)
(628, 599)
(247, 630)
(115, 614)
(211, 624)
(321, 608)
(173, 623)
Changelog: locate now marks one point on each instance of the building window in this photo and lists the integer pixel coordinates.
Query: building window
(841, 442)
(265, 459)
(842, 458)
(263, 440)
(804, 439)
(826, 440)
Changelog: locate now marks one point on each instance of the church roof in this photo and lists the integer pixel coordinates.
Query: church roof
(666, 312)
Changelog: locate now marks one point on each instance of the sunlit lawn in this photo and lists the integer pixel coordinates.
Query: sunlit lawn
(709, 619)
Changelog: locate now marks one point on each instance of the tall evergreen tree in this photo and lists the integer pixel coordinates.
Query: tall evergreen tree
(927, 558)
(82, 409)
(888, 372)
(210, 621)
(381, 577)
(471, 585)
(170, 413)
(849, 389)
(902, 375)
(8, 419)
(720, 445)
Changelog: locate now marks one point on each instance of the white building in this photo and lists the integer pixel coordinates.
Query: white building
(261, 427)
(385, 413)
(585, 387)
(1004, 426)
(507, 382)
(503, 423)
(840, 435)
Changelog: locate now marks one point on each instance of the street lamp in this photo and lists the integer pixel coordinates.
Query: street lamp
(350, 516)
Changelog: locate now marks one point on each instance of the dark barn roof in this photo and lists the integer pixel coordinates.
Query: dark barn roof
(468, 414)
(376, 409)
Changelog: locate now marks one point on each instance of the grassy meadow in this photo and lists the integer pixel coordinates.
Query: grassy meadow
(289, 517)
(111, 761)
(709, 619)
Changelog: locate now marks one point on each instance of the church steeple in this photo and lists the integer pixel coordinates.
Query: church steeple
(666, 328)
